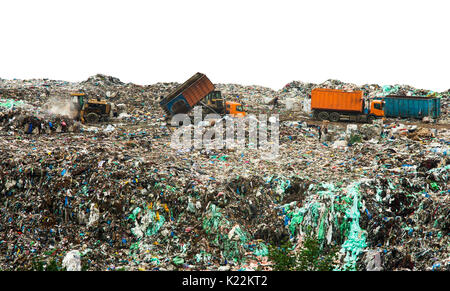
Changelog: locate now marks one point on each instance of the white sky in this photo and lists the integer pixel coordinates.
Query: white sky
(259, 42)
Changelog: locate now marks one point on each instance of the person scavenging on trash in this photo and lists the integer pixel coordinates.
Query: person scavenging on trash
(275, 102)
(324, 131)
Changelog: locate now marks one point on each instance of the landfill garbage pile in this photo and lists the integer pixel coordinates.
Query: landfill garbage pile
(123, 202)
(379, 216)
(117, 197)
(252, 97)
(370, 90)
(103, 80)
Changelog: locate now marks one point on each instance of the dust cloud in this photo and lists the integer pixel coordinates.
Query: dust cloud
(61, 106)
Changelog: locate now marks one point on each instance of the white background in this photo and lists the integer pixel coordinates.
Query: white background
(258, 42)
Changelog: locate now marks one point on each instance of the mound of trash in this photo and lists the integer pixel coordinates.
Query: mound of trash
(116, 196)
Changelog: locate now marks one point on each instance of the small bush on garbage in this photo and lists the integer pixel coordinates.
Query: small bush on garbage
(310, 258)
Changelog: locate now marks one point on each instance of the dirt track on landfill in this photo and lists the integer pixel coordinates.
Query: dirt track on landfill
(310, 121)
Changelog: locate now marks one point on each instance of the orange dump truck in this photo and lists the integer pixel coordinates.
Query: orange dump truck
(334, 105)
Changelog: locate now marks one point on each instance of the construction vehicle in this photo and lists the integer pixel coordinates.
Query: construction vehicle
(334, 105)
(198, 90)
(214, 103)
(91, 110)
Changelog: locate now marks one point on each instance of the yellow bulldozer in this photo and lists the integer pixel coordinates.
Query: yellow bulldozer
(215, 103)
(91, 110)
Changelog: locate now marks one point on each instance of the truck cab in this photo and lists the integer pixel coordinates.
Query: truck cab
(234, 109)
(377, 108)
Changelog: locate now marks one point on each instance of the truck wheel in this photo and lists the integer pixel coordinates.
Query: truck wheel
(370, 118)
(323, 115)
(315, 114)
(335, 117)
(92, 117)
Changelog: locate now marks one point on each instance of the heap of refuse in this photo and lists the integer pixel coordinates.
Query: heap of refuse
(117, 196)
(370, 90)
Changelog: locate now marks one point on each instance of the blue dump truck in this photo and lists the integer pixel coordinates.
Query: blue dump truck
(187, 95)
(412, 106)
(198, 90)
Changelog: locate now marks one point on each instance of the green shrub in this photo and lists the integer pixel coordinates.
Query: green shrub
(40, 265)
(282, 257)
(310, 258)
(313, 258)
